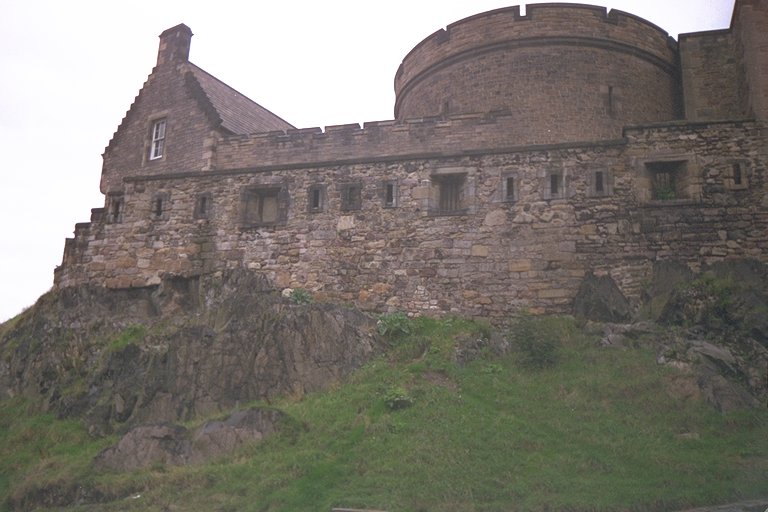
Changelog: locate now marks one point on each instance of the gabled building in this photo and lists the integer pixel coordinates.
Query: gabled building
(527, 154)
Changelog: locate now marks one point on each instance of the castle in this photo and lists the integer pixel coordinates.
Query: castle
(527, 153)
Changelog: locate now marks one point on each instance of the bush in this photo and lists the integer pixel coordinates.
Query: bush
(300, 296)
(394, 325)
(537, 345)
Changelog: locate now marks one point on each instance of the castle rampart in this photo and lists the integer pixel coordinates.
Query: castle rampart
(498, 252)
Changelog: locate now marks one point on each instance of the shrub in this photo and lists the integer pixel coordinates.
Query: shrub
(537, 345)
(300, 296)
(394, 325)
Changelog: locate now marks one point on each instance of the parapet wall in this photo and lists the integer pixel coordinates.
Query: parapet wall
(423, 137)
(567, 72)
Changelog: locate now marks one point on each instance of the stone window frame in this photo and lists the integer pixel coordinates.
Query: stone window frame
(555, 179)
(595, 178)
(317, 198)
(115, 207)
(351, 196)
(389, 194)
(203, 206)
(678, 173)
(158, 136)
(160, 207)
(508, 196)
(737, 177)
(257, 194)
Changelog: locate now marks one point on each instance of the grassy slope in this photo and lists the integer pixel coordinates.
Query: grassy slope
(601, 430)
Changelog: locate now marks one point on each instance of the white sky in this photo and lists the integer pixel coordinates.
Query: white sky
(70, 69)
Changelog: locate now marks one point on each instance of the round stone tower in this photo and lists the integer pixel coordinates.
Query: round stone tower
(566, 72)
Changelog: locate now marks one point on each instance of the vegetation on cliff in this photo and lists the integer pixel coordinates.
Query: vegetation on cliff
(453, 417)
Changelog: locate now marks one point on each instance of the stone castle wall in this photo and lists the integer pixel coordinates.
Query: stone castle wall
(499, 254)
(497, 188)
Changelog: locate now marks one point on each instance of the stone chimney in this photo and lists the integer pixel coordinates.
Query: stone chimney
(174, 45)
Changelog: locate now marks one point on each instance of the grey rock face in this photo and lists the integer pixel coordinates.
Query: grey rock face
(186, 348)
(172, 445)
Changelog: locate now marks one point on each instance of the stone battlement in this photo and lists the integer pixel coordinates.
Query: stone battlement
(567, 72)
(376, 141)
(541, 21)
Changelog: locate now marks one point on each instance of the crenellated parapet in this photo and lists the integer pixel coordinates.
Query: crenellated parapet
(567, 71)
(378, 141)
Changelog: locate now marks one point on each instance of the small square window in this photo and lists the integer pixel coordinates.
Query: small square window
(667, 180)
(158, 139)
(264, 206)
(351, 197)
(448, 194)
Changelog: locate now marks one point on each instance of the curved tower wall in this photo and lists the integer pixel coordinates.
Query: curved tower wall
(566, 72)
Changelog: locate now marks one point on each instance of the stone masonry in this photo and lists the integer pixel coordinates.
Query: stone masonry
(475, 200)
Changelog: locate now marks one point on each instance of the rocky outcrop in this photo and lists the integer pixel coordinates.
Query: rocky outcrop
(183, 349)
(173, 445)
(712, 325)
(599, 299)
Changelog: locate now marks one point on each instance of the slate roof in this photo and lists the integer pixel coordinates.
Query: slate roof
(237, 113)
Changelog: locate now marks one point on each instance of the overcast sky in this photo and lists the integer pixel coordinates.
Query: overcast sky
(71, 69)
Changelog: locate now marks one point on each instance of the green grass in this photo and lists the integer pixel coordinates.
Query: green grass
(131, 334)
(599, 430)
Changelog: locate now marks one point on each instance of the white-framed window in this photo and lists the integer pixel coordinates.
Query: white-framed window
(158, 139)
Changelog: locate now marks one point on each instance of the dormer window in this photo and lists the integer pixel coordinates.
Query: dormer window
(158, 139)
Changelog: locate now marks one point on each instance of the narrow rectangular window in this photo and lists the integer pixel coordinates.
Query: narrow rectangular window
(158, 140)
(611, 108)
(554, 184)
(158, 208)
(203, 206)
(599, 184)
(115, 210)
(316, 198)
(389, 194)
(737, 176)
(509, 188)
